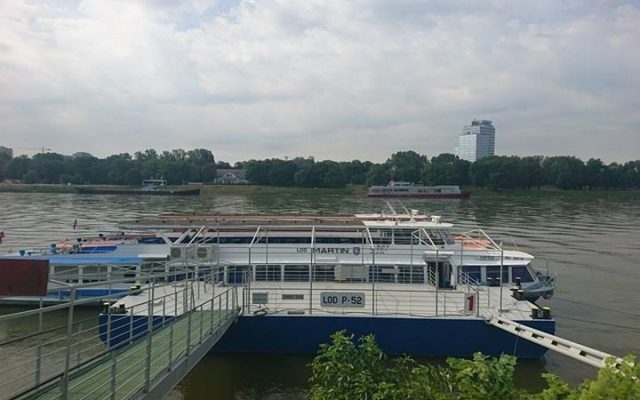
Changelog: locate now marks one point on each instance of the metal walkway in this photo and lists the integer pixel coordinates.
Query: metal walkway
(571, 349)
(168, 327)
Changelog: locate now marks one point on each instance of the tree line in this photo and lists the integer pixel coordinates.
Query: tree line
(176, 166)
(346, 370)
(199, 165)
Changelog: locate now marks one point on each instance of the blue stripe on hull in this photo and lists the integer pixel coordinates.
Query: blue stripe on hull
(438, 337)
(420, 337)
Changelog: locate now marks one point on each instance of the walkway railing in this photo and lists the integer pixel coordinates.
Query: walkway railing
(66, 351)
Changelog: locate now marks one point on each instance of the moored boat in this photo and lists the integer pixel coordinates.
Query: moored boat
(407, 189)
(404, 277)
(150, 187)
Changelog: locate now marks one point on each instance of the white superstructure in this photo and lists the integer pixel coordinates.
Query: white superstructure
(477, 140)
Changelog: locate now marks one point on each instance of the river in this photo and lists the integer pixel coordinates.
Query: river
(592, 241)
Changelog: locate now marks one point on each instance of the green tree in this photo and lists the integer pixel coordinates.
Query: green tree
(617, 380)
(17, 167)
(378, 175)
(564, 172)
(406, 166)
(48, 167)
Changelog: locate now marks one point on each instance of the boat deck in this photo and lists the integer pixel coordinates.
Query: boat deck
(300, 298)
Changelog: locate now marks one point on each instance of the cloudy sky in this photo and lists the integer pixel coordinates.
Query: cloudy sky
(331, 79)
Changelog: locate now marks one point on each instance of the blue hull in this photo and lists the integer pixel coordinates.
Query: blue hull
(438, 337)
(414, 336)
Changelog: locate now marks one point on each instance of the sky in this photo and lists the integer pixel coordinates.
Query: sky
(336, 80)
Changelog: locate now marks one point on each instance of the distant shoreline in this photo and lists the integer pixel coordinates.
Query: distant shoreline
(354, 190)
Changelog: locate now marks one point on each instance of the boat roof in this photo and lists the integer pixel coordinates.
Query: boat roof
(289, 221)
(75, 260)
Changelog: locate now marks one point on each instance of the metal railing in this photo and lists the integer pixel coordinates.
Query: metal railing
(65, 348)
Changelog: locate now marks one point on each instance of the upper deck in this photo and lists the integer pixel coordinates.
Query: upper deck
(286, 221)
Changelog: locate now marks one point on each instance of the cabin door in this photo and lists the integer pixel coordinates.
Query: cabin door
(443, 275)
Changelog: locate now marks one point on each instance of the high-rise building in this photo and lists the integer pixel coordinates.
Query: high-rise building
(477, 140)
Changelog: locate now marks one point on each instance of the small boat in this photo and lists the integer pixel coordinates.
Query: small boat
(150, 187)
(408, 189)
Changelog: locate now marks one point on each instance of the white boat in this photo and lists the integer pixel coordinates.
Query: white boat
(397, 189)
(405, 277)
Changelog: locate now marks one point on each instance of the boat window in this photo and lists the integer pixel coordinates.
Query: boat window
(410, 274)
(296, 273)
(271, 273)
(379, 273)
(235, 275)
(284, 240)
(323, 273)
(436, 237)
(493, 272)
(381, 236)
(404, 236)
(151, 240)
(473, 271)
(522, 272)
(235, 240)
(338, 240)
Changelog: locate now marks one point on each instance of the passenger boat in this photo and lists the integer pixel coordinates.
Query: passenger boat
(404, 277)
(150, 187)
(403, 248)
(408, 189)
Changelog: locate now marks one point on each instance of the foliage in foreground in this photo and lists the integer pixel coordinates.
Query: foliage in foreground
(346, 370)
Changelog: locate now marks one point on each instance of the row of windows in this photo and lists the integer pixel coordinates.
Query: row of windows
(276, 240)
(325, 273)
(492, 272)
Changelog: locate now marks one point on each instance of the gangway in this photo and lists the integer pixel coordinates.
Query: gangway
(177, 317)
(587, 355)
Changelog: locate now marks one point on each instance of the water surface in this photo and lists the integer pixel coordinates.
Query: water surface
(591, 241)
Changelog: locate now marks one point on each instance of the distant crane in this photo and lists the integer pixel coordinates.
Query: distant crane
(41, 149)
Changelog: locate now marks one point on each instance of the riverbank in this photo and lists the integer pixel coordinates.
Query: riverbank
(353, 190)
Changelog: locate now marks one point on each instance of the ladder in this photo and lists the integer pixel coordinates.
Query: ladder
(571, 349)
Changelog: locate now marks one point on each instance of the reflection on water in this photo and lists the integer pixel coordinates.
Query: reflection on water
(590, 241)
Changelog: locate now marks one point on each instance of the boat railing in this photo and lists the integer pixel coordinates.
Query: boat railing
(64, 336)
(377, 299)
(477, 238)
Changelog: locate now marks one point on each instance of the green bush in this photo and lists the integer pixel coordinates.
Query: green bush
(350, 370)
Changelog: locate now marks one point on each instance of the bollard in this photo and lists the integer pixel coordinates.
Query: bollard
(546, 312)
(535, 312)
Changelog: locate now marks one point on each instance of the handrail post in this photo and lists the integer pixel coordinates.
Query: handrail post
(187, 351)
(175, 317)
(211, 313)
(373, 281)
(112, 352)
(147, 372)
(67, 361)
(39, 351)
(437, 275)
(501, 283)
(219, 318)
(201, 323)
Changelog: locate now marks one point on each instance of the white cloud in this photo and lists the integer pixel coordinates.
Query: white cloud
(337, 80)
